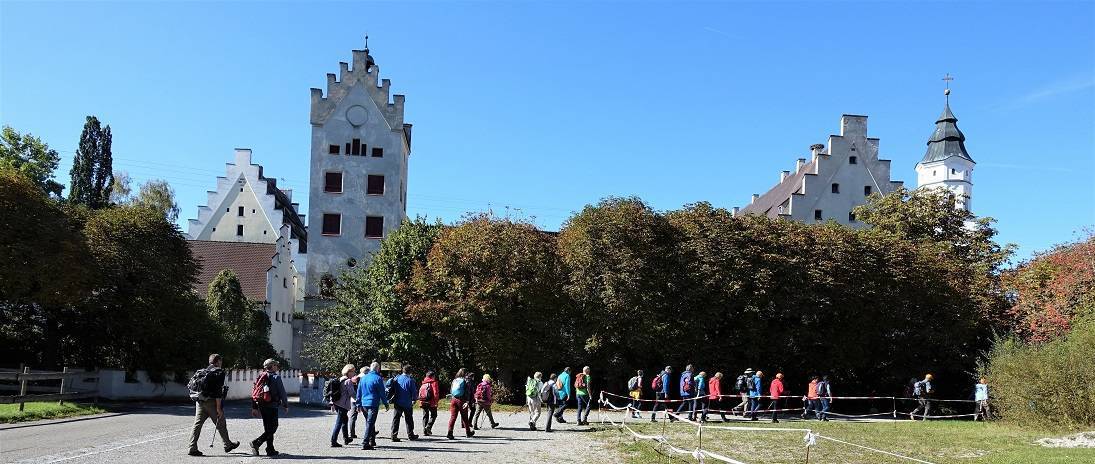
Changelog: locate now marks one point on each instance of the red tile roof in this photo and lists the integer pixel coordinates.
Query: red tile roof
(250, 261)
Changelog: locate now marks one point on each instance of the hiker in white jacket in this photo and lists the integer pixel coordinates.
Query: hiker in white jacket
(532, 398)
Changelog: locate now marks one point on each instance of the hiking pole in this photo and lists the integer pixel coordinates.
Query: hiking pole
(211, 440)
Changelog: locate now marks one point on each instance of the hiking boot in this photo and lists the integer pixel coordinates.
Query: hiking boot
(532, 426)
(825, 419)
(412, 437)
(347, 440)
(560, 420)
(231, 446)
(494, 425)
(547, 430)
(427, 432)
(334, 444)
(367, 447)
(450, 437)
(273, 452)
(254, 448)
(395, 439)
(476, 427)
(775, 421)
(353, 435)
(471, 434)
(195, 452)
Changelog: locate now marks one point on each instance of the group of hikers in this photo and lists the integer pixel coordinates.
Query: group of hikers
(355, 394)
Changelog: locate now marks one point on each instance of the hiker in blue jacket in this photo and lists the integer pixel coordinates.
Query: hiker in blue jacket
(370, 395)
(755, 390)
(563, 394)
(660, 386)
(405, 394)
(688, 392)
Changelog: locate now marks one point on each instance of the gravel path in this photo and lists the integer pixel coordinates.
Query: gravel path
(161, 434)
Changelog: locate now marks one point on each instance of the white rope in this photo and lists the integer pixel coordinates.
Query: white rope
(873, 449)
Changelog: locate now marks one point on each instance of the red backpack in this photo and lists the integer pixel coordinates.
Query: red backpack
(481, 393)
(580, 381)
(259, 393)
(425, 393)
(686, 384)
(656, 384)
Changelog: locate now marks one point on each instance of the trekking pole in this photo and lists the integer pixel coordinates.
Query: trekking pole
(211, 440)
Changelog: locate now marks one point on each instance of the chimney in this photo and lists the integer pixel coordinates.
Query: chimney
(734, 212)
(754, 199)
(816, 149)
(783, 175)
(799, 164)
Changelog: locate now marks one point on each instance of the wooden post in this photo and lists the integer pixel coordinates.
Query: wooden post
(64, 370)
(23, 385)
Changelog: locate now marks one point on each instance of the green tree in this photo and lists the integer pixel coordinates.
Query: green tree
(91, 167)
(31, 157)
(246, 329)
(121, 188)
(158, 195)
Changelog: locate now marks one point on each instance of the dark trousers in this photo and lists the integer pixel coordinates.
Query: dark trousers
(688, 404)
(269, 427)
(584, 405)
(341, 423)
(457, 408)
(429, 416)
(661, 397)
(370, 425)
(560, 407)
(354, 410)
(810, 407)
(408, 416)
(773, 404)
(824, 414)
(551, 414)
(705, 404)
(754, 405)
(483, 408)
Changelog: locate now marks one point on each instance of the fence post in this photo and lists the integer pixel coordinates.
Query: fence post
(64, 370)
(23, 385)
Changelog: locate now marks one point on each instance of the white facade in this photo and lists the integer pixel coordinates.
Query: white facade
(832, 182)
(358, 182)
(946, 164)
(284, 296)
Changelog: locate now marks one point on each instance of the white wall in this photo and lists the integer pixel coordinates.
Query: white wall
(112, 385)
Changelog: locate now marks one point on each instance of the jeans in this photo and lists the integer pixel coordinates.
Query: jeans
(429, 416)
(457, 408)
(690, 403)
(705, 404)
(341, 423)
(560, 406)
(207, 410)
(370, 426)
(811, 407)
(584, 405)
(824, 409)
(354, 410)
(269, 427)
(754, 405)
(534, 406)
(408, 415)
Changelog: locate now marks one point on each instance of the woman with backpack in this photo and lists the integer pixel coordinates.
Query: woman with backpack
(660, 385)
(484, 397)
(428, 396)
(458, 390)
(532, 398)
(549, 395)
(635, 391)
(338, 392)
(469, 395)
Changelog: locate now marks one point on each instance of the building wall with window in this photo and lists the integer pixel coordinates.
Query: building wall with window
(832, 182)
(359, 151)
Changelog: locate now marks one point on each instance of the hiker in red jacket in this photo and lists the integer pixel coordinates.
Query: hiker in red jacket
(775, 390)
(714, 392)
(428, 396)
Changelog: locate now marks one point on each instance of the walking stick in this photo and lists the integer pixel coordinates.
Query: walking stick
(215, 424)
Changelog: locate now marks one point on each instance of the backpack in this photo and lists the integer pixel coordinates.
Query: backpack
(530, 388)
(823, 389)
(547, 393)
(260, 392)
(389, 389)
(742, 384)
(656, 384)
(580, 381)
(686, 383)
(197, 384)
(918, 389)
(425, 392)
(633, 384)
(559, 384)
(332, 390)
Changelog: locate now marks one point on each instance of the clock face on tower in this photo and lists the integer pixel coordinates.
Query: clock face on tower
(356, 115)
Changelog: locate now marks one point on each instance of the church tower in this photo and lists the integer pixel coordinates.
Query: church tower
(946, 164)
(358, 180)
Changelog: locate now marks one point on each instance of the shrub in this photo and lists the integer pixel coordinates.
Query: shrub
(1049, 383)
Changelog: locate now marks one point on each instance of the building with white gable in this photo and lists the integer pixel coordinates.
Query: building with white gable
(832, 182)
(358, 181)
(946, 164)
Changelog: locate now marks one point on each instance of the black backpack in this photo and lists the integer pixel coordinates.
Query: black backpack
(332, 391)
(742, 384)
(199, 385)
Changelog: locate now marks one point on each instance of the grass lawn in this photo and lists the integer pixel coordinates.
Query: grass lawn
(938, 442)
(9, 413)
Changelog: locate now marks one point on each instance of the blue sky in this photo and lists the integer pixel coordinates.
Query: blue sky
(545, 107)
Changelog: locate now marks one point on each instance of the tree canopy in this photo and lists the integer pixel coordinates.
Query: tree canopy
(92, 175)
(32, 158)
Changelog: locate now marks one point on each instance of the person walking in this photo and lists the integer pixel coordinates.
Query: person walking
(370, 395)
(923, 392)
(742, 386)
(688, 392)
(339, 395)
(208, 391)
(582, 390)
(405, 393)
(550, 397)
(635, 392)
(775, 390)
(428, 396)
(810, 400)
(562, 387)
(484, 398)
(755, 394)
(266, 396)
(355, 408)
(981, 395)
(469, 396)
(714, 396)
(660, 385)
(458, 391)
(825, 397)
(532, 398)
(703, 401)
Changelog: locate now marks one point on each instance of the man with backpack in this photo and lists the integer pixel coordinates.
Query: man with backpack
(550, 397)
(581, 391)
(370, 395)
(824, 396)
(755, 392)
(532, 398)
(660, 385)
(428, 396)
(635, 391)
(337, 392)
(405, 393)
(207, 390)
(741, 387)
(562, 387)
(688, 393)
(267, 394)
(923, 392)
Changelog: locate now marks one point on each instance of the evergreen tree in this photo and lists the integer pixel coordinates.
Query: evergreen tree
(91, 173)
